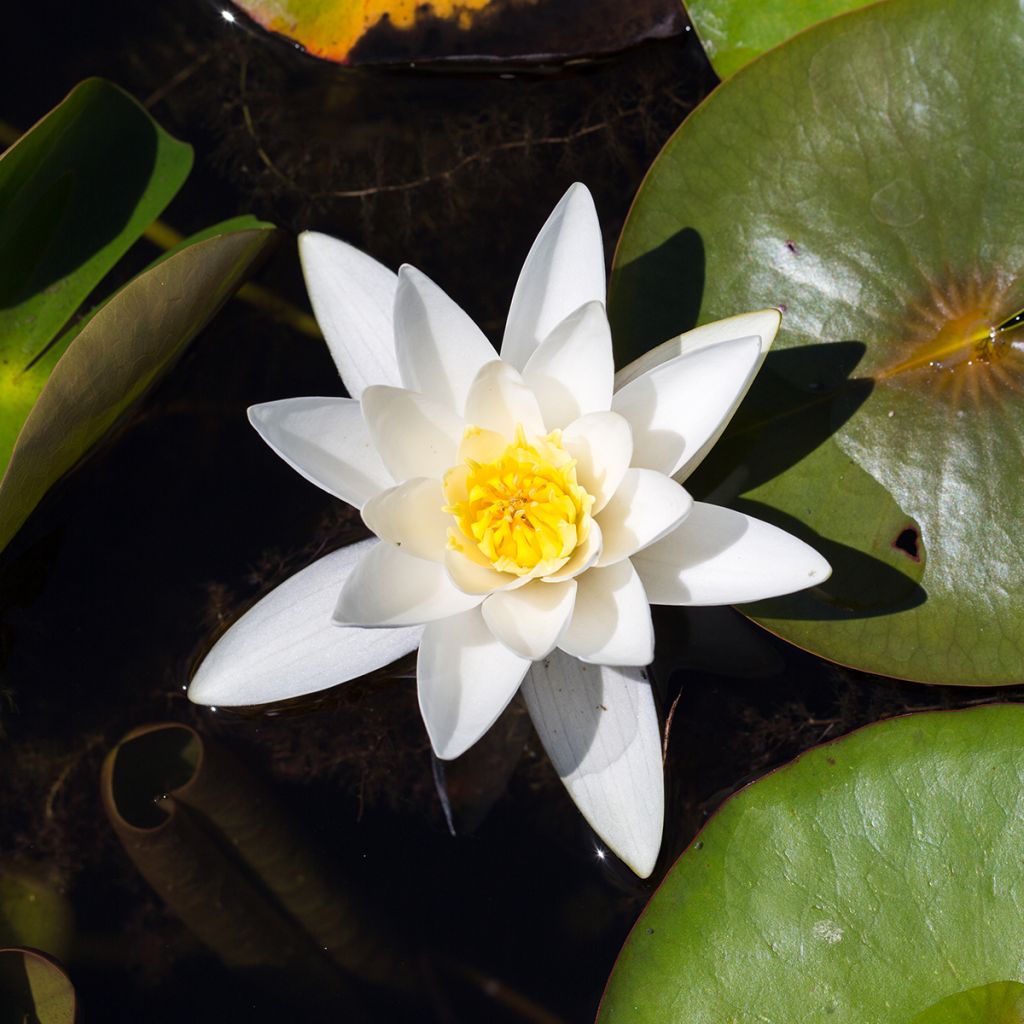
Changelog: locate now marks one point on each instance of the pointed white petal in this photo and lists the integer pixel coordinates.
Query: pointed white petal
(327, 441)
(646, 506)
(473, 577)
(414, 436)
(411, 516)
(530, 620)
(719, 556)
(439, 348)
(389, 588)
(571, 371)
(353, 298)
(763, 325)
(500, 401)
(674, 408)
(611, 623)
(585, 555)
(600, 729)
(564, 269)
(465, 680)
(286, 645)
(602, 445)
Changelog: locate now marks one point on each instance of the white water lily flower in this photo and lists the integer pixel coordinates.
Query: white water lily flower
(529, 511)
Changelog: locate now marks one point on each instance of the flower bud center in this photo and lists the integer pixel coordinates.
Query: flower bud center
(524, 511)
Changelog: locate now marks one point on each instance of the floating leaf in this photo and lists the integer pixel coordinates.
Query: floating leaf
(393, 31)
(864, 881)
(890, 417)
(1002, 1002)
(734, 32)
(214, 844)
(34, 989)
(115, 358)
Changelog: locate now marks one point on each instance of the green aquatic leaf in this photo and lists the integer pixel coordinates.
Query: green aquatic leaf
(119, 354)
(34, 913)
(34, 989)
(1002, 1002)
(864, 881)
(734, 32)
(863, 177)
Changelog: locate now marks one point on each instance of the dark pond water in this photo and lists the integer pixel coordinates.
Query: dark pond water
(125, 574)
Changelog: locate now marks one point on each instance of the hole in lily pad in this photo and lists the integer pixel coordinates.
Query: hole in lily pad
(907, 542)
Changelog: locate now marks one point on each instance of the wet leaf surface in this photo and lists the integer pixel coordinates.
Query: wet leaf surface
(1002, 1002)
(856, 177)
(866, 880)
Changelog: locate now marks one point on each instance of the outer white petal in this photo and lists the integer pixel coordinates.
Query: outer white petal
(564, 269)
(353, 298)
(500, 401)
(676, 407)
(763, 325)
(410, 516)
(465, 680)
(389, 588)
(327, 441)
(530, 620)
(646, 506)
(414, 435)
(719, 556)
(286, 645)
(599, 727)
(472, 577)
(602, 445)
(611, 623)
(438, 346)
(572, 370)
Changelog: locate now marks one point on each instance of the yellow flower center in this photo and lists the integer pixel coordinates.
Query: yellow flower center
(521, 512)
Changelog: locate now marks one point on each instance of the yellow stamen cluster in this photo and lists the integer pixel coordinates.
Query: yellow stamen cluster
(522, 513)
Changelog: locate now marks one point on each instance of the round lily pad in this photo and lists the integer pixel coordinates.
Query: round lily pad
(863, 178)
(868, 880)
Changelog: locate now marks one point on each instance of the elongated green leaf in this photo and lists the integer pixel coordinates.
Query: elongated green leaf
(865, 881)
(890, 419)
(120, 353)
(75, 192)
(734, 32)
(1002, 1002)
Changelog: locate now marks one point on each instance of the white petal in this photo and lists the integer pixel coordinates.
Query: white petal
(286, 645)
(500, 401)
(611, 623)
(530, 620)
(676, 407)
(602, 445)
(465, 680)
(327, 441)
(600, 729)
(585, 555)
(439, 348)
(472, 577)
(414, 436)
(390, 588)
(763, 325)
(411, 517)
(564, 269)
(353, 298)
(719, 556)
(572, 370)
(646, 506)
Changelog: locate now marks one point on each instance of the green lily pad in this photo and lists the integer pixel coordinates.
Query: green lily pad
(1002, 1002)
(734, 32)
(865, 881)
(33, 913)
(862, 177)
(122, 350)
(34, 988)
